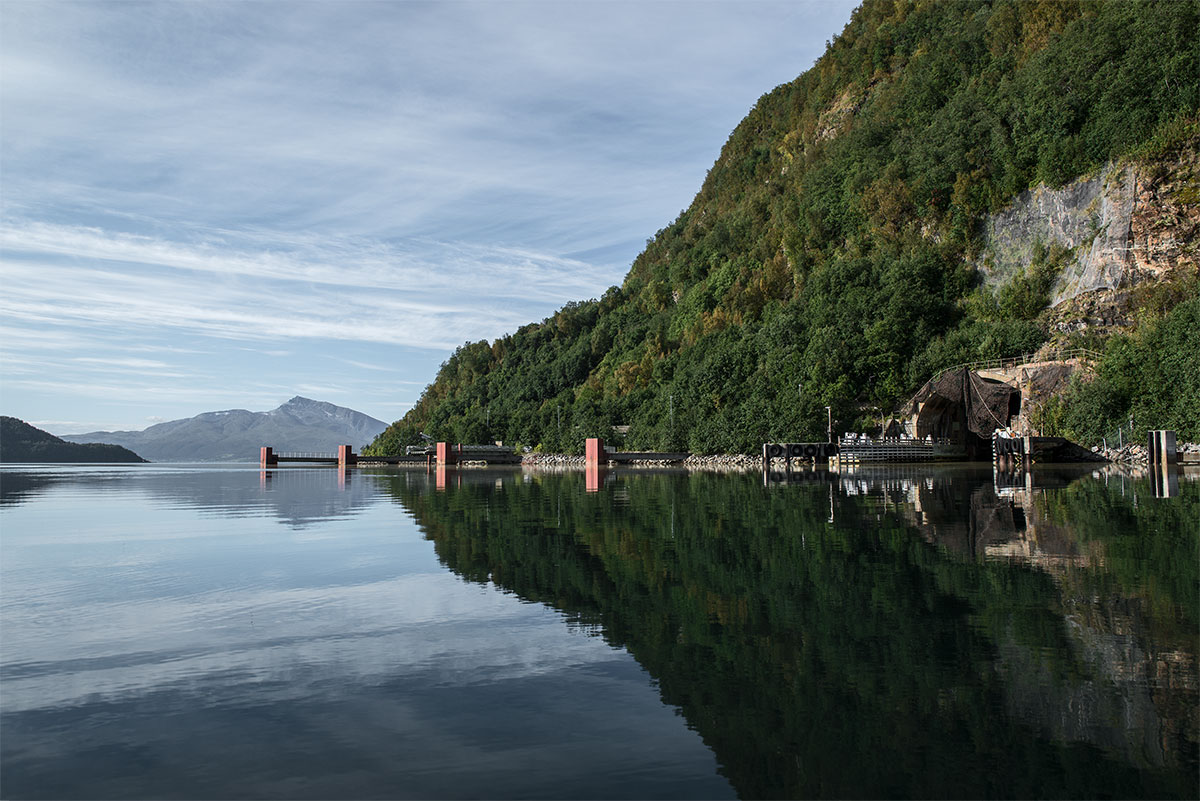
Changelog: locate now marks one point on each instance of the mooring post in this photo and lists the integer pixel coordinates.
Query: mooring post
(594, 452)
(346, 457)
(1163, 449)
(445, 455)
(267, 457)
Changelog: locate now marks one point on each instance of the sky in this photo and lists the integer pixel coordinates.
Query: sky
(209, 206)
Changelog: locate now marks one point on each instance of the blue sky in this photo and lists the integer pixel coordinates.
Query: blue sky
(221, 205)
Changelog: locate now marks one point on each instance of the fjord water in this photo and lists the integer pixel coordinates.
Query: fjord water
(205, 632)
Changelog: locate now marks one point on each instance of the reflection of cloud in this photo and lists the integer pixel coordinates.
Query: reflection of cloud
(404, 622)
(342, 657)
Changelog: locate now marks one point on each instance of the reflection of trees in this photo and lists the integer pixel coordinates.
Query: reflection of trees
(1127, 580)
(18, 487)
(817, 659)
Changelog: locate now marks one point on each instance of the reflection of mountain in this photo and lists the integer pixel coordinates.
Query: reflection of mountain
(17, 487)
(296, 496)
(236, 435)
(843, 658)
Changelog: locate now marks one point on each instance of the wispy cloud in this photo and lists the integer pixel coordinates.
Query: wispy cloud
(141, 364)
(420, 268)
(250, 189)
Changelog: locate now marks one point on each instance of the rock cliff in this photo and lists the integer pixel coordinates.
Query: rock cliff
(1128, 224)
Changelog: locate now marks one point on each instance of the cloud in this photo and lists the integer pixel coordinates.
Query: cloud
(203, 184)
(142, 364)
(262, 304)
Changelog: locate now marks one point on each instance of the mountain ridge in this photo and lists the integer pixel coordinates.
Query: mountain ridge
(21, 442)
(300, 424)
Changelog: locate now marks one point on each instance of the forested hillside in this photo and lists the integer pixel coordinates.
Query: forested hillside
(832, 254)
(21, 442)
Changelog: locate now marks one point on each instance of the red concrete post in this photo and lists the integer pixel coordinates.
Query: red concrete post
(594, 451)
(267, 457)
(346, 456)
(445, 454)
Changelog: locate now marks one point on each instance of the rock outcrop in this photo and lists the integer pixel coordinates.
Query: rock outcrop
(1128, 224)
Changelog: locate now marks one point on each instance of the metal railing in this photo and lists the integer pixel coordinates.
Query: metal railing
(1062, 354)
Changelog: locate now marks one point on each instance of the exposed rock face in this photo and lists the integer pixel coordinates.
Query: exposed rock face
(1164, 231)
(1040, 381)
(1100, 310)
(1126, 225)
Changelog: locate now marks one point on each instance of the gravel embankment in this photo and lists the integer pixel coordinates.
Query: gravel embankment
(551, 460)
(724, 461)
(1135, 453)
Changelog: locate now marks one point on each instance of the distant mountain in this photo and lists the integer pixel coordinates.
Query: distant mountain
(236, 434)
(21, 442)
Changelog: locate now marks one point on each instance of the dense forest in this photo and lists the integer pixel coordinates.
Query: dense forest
(831, 256)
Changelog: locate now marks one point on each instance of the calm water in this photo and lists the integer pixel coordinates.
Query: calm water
(203, 632)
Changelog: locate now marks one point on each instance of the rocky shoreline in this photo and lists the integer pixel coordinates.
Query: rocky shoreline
(1131, 454)
(1135, 454)
(723, 461)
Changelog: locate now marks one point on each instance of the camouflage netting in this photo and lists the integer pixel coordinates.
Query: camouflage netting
(1049, 380)
(985, 404)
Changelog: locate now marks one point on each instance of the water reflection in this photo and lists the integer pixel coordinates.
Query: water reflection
(165, 642)
(874, 632)
(297, 497)
(883, 631)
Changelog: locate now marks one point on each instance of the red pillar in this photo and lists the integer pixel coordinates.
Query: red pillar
(346, 456)
(594, 450)
(445, 454)
(267, 458)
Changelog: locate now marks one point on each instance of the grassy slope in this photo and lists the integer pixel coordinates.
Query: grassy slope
(827, 257)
